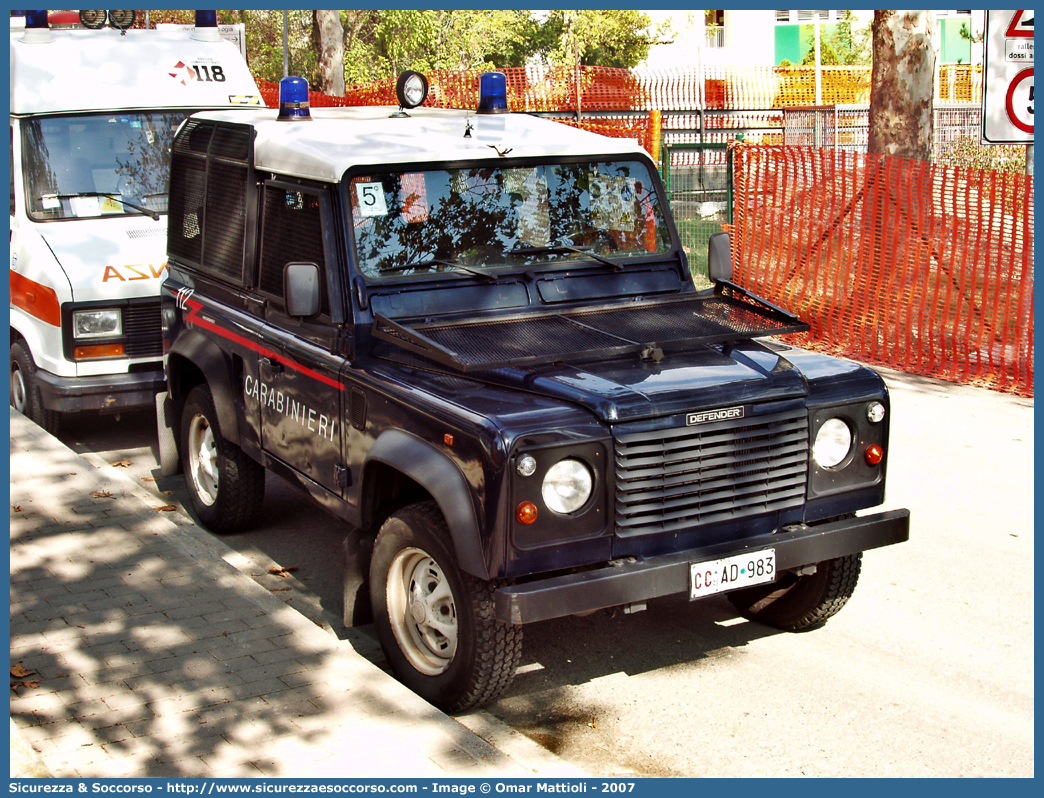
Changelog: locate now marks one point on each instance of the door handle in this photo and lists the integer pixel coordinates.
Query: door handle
(270, 363)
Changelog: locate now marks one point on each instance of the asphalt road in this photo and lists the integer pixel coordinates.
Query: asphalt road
(928, 671)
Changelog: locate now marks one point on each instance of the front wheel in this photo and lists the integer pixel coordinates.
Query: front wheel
(25, 393)
(435, 622)
(795, 603)
(225, 486)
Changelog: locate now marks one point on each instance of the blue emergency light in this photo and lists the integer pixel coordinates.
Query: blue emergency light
(206, 19)
(293, 100)
(37, 29)
(35, 19)
(492, 93)
(206, 29)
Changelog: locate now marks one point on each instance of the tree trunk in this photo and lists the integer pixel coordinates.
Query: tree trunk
(331, 52)
(902, 83)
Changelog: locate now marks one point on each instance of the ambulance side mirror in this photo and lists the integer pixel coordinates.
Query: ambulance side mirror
(301, 289)
(719, 257)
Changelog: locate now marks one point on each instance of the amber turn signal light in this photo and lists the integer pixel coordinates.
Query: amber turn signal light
(526, 513)
(874, 454)
(98, 350)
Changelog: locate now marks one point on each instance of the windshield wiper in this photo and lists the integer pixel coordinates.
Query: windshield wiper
(422, 264)
(553, 248)
(147, 211)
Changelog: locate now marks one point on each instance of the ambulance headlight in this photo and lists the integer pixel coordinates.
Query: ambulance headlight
(97, 323)
(411, 89)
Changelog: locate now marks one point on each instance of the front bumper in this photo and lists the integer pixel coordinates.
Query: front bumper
(105, 392)
(628, 581)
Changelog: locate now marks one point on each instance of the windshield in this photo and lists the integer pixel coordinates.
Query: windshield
(489, 217)
(94, 165)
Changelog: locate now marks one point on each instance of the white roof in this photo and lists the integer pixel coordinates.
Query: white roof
(336, 139)
(87, 70)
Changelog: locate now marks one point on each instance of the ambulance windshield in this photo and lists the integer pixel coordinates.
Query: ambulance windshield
(92, 165)
(492, 217)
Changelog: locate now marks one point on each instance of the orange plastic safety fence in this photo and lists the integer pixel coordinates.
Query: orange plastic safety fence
(913, 266)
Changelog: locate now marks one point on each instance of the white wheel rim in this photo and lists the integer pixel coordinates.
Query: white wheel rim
(203, 467)
(422, 611)
(18, 390)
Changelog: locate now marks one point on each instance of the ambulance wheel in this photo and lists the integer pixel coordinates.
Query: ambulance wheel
(435, 622)
(25, 393)
(796, 603)
(225, 486)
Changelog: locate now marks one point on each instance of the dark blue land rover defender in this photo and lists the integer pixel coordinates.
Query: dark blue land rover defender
(474, 337)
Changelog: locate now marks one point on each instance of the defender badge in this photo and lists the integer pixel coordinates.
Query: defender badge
(706, 416)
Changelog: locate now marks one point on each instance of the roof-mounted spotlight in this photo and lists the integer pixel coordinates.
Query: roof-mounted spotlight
(94, 20)
(37, 31)
(492, 93)
(293, 100)
(121, 20)
(411, 89)
(206, 29)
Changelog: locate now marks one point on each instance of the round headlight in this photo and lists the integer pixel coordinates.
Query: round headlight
(833, 441)
(567, 486)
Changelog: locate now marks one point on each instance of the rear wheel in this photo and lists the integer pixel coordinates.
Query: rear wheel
(226, 487)
(434, 621)
(25, 393)
(795, 603)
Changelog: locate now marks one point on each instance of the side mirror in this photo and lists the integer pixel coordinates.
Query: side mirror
(719, 257)
(301, 289)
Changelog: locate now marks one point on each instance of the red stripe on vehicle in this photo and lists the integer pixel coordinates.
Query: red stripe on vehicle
(195, 319)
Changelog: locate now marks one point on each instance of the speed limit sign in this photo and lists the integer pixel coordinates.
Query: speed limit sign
(1018, 103)
(1007, 107)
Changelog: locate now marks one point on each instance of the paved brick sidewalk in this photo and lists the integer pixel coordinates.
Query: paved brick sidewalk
(146, 654)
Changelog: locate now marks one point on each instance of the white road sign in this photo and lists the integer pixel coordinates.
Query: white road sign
(1007, 105)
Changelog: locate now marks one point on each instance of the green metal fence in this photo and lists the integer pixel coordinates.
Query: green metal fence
(698, 179)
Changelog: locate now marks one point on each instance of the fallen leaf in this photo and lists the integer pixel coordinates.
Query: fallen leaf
(168, 493)
(284, 572)
(122, 463)
(17, 509)
(148, 479)
(101, 494)
(19, 671)
(167, 508)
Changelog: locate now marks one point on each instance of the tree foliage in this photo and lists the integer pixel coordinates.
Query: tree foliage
(380, 44)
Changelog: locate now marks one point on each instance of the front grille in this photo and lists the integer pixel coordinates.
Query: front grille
(142, 334)
(680, 477)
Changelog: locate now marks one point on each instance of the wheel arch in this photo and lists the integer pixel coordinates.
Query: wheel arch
(194, 359)
(435, 473)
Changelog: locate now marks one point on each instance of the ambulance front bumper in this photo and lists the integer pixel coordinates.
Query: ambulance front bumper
(104, 393)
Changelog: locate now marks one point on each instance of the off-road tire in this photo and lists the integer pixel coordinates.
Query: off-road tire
(235, 484)
(25, 393)
(796, 603)
(486, 651)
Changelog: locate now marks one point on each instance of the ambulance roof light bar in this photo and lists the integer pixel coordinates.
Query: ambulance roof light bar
(37, 31)
(206, 29)
(293, 100)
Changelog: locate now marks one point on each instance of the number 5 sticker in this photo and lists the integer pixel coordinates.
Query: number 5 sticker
(371, 199)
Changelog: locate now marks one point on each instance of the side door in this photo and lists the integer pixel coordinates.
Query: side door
(298, 388)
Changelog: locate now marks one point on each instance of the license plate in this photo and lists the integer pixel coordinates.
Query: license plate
(729, 573)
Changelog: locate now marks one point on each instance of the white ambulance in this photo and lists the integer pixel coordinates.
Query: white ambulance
(93, 116)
